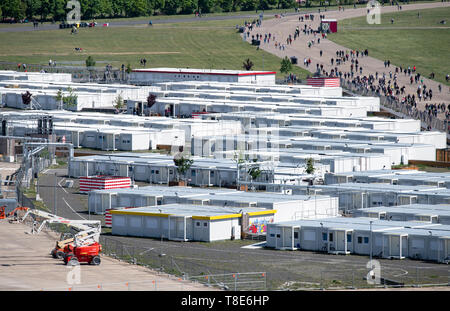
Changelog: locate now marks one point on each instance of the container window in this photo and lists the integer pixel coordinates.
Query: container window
(349, 238)
(324, 237)
(359, 240)
(366, 240)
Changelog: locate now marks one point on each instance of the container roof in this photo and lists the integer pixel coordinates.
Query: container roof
(194, 211)
(204, 71)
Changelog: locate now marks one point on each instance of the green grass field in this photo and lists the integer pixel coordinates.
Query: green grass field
(409, 41)
(314, 7)
(201, 44)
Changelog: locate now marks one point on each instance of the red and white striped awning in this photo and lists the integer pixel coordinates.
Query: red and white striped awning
(108, 216)
(323, 81)
(103, 182)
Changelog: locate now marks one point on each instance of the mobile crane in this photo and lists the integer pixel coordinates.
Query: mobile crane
(80, 247)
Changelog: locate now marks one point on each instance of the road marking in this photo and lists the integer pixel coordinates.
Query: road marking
(255, 246)
(59, 184)
(73, 209)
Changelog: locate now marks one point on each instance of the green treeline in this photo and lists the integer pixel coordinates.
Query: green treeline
(56, 10)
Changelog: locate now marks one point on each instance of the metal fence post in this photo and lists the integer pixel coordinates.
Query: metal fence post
(353, 279)
(321, 280)
(417, 276)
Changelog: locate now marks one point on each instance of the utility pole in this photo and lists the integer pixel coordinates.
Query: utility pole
(54, 195)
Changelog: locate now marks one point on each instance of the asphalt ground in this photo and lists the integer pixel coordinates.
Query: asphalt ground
(283, 269)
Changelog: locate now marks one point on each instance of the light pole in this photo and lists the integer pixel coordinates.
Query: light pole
(54, 195)
(321, 231)
(371, 242)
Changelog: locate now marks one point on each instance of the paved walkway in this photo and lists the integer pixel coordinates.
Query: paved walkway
(281, 28)
(26, 265)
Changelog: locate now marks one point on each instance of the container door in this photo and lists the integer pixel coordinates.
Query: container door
(395, 245)
(123, 171)
(349, 237)
(340, 241)
(405, 246)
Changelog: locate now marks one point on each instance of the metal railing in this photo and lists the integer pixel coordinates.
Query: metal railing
(401, 110)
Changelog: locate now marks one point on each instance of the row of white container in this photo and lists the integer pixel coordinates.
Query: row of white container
(108, 132)
(395, 177)
(285, 149)
(288, 207)
(35, 76)
(178, 107)
(246, 87)
(157, 169)
(381, 238)
(439, 213)
(359, 195)
(257, 120)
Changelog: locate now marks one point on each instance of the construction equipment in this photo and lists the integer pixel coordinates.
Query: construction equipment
(4, 214)
(82, 246)
(86, 253)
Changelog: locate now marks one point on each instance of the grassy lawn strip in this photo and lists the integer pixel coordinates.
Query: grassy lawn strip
(207, 44)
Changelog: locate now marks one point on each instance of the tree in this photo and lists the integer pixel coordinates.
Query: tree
(119, 102)
(183, 165)
(58, 9)
(66, 101)
(310, 166)
(248, 64)
(171, 7)
(286, 4)
(248, 5)
(90, 62)
(286, 65)
(263, 5)
(188, 6)
(254, 172)
(13, 8)
(136, 8)
(205, 6)
(60, 98)
(129, 69)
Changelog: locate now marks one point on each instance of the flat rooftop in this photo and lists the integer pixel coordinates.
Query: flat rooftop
(204, 71)
(194, 211)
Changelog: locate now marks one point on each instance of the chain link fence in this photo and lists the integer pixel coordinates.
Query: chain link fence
(79, 73)
(187, 269)
(361, 278)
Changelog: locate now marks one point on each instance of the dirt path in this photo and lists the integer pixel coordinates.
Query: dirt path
(282, 27)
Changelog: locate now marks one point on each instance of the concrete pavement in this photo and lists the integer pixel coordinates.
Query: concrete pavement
(26, 265)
